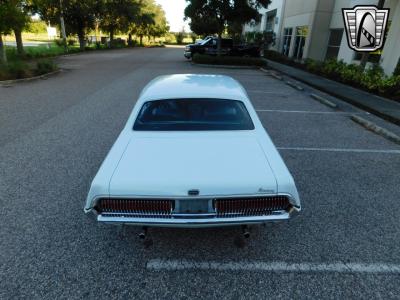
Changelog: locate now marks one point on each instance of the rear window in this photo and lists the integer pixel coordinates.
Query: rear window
(193, 114)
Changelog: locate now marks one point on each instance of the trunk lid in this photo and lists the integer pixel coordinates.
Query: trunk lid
(173, 165)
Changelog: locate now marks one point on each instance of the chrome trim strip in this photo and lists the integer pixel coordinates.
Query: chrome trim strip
(197, 222)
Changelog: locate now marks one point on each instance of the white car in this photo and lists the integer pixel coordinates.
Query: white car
(193, 154)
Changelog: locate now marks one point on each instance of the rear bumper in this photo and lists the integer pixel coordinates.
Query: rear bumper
(198, 221)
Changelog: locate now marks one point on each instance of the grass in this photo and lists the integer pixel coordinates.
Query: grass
(228, 60)
(41, 51)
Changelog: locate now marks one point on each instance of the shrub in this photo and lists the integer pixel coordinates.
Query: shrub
(276, 56)
(59, 42)
(45, 66)
(313, 66)
(179, 37)
(71, 42)
(37, 27)
(18, 69)
(228, 60)
(373, 79)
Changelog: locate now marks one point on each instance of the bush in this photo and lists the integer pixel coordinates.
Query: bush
(59, 42)
(228, 60)
(18, 69)
(372, 80)
(37, 27)
(179, 37)
(71, 42)
(45, 66)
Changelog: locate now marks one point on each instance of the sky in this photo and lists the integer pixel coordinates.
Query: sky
(174, 11)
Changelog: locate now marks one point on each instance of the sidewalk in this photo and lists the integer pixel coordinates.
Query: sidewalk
(382, 107)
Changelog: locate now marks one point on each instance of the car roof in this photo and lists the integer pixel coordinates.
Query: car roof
(181, 86)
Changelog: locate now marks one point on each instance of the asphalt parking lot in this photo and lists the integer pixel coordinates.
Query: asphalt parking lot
(55, 133)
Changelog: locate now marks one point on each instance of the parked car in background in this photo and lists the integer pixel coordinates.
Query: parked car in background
(193, 154)
(209, 46)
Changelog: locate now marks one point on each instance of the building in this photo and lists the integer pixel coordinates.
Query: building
(271, 20)
(315, 29)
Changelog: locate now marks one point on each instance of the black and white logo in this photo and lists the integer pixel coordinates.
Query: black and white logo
(365, 27)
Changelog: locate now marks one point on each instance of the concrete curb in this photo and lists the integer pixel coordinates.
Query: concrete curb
(44, 76)
(224, 66)
(265, 71)
(380, 113)
(276, 76)
(323, 101)
(376, 129)
(294, 85)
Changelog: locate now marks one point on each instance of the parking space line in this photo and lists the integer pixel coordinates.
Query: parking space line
(339, 267)
(307, 112)
(340, 150)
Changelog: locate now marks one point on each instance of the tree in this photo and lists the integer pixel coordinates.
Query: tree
(5, 27)
(213, 16)
(151, 21)
(142, 24)
(19, 20)
(13, 16)
(117, 15)
(160, 26)
(79, 15)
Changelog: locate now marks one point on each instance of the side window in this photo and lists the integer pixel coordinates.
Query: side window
(214, 43)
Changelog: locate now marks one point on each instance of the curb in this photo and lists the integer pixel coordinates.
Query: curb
(43, 76)
(344, 98)
(376, 129)
(323, 101)
(294, 85)
(224, 66)
(276, 76)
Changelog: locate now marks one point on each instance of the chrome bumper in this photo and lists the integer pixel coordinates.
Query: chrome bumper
(198, 221)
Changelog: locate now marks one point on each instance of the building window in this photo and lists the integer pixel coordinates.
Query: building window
(271, 16)
(335, 39)
(287, 37)
(300, 41)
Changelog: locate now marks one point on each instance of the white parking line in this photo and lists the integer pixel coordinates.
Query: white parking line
(339, 267)
(340, 150)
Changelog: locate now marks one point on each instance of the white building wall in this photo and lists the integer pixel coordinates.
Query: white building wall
(261, 26)
(391, 51)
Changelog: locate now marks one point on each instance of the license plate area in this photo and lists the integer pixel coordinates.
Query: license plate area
(194, 206)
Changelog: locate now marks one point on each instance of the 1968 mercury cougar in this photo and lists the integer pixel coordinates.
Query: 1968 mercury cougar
(193, 154)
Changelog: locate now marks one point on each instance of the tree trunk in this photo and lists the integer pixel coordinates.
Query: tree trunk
(130, 39)
(3, 54)
(141, 40)
(219, 44)
(18, 39)
(111, 37)
(82, 43)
